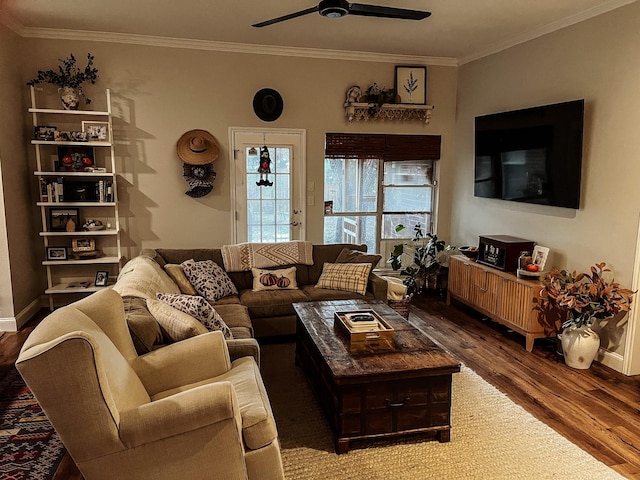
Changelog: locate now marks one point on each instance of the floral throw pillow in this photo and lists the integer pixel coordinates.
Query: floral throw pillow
(209, 279)
(199, 309)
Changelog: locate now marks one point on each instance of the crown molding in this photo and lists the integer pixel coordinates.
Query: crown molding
(545, 29)
(247, 48)
(10, 22)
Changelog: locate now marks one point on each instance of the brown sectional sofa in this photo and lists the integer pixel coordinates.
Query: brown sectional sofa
(250, 313)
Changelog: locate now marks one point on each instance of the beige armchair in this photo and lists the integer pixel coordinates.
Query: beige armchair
(181, 412)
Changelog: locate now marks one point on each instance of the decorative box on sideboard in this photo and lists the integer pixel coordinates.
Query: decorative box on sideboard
(502, 251)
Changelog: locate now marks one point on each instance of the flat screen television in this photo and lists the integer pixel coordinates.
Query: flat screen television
(532, 155)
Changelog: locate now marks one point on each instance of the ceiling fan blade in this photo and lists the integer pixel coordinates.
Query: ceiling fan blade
(286, 17)
(386, 12)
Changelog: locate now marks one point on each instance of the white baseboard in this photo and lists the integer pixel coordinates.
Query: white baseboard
(28, 312)
(611, 360)
(8, 324)
(13, 324)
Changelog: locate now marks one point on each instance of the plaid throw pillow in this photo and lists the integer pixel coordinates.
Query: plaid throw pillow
(199, 309)
(348, 277)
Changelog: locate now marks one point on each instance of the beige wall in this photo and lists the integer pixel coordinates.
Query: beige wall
(596, 60)
(21, 277)
(159, 93)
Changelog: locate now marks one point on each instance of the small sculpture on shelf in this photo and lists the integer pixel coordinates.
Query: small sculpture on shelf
(354, 94)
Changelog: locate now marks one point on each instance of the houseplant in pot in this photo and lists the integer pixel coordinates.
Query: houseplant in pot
(429, 256)
(583, 299)
(69, 79)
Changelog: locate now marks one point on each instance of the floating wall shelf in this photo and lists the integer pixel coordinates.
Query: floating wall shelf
(388, 111)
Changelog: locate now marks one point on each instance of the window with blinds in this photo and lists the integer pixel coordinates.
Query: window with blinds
(374, 182)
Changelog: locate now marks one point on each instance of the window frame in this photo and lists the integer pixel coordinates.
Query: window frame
(386, 148)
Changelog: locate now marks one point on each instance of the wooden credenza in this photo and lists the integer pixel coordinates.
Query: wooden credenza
(502, 296)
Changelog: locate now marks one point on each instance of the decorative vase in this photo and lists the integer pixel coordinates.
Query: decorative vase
(70, 97)
(580, 346)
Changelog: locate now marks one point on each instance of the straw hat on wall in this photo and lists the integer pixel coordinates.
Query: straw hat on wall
(198, 147)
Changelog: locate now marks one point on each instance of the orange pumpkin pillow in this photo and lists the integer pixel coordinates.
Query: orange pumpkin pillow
(283, 279)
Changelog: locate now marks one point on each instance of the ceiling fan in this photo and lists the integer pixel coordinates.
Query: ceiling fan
(340, 8)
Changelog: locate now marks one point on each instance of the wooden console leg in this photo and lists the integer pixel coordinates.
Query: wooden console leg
(529, 343)
(443, 436)
(342, 446)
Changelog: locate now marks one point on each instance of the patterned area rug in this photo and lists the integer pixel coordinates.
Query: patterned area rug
(29, 446)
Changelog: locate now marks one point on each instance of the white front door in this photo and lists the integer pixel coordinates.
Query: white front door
(268, 206)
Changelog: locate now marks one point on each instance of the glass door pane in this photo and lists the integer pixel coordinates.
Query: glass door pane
(268, 206)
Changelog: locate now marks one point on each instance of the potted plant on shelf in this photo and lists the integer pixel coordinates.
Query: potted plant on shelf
(582, 299)
(69, 79)
(429, 256)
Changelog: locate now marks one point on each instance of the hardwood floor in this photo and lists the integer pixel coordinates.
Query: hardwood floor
(597, 409)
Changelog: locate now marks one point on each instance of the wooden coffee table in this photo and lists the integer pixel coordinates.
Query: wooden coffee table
(378, 391)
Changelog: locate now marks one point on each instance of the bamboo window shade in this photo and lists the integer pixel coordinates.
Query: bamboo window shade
(384, 146)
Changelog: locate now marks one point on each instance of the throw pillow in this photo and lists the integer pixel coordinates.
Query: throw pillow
(199, 309)
(176, 325)
(209, 279)
(176, 272)
(356, 256)
(283, 279)
(144, 328)
(348, 277)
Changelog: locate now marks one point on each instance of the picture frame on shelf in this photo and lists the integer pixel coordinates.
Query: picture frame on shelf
(102, 277)
(78, 136)
(57, 253)
(83, 245)
(62, 136)
(44, 132)
(411, 84)
(75, 158)
(59, 218)
(96, 131)
(539, 256)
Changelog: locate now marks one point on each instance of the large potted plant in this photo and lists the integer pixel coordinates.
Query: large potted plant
(429, 256)
(582, 299)
(69, 78)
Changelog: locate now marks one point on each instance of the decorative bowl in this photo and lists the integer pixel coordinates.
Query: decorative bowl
(469, 251)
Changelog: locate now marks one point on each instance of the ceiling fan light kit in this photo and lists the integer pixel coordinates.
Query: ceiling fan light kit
(341, 8)
(333, 8)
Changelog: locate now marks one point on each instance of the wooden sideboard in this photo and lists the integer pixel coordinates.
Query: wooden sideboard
(502, 296)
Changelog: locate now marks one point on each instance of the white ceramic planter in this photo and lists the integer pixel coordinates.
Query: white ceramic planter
(580, 346)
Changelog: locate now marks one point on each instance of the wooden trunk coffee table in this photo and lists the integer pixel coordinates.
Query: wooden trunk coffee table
(374, 391)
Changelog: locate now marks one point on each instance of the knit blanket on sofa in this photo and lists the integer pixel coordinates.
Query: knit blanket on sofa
(245, 256)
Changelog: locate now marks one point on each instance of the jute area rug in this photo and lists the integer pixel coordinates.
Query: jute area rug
(491, 437)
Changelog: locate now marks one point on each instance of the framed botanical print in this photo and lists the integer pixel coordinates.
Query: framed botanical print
(411, 84)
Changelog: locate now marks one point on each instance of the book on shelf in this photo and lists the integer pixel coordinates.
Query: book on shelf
(52, 190)
(79, 284)
(104, 191)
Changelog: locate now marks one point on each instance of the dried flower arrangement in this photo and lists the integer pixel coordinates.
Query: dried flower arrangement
(69, 75)
(584, 298)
